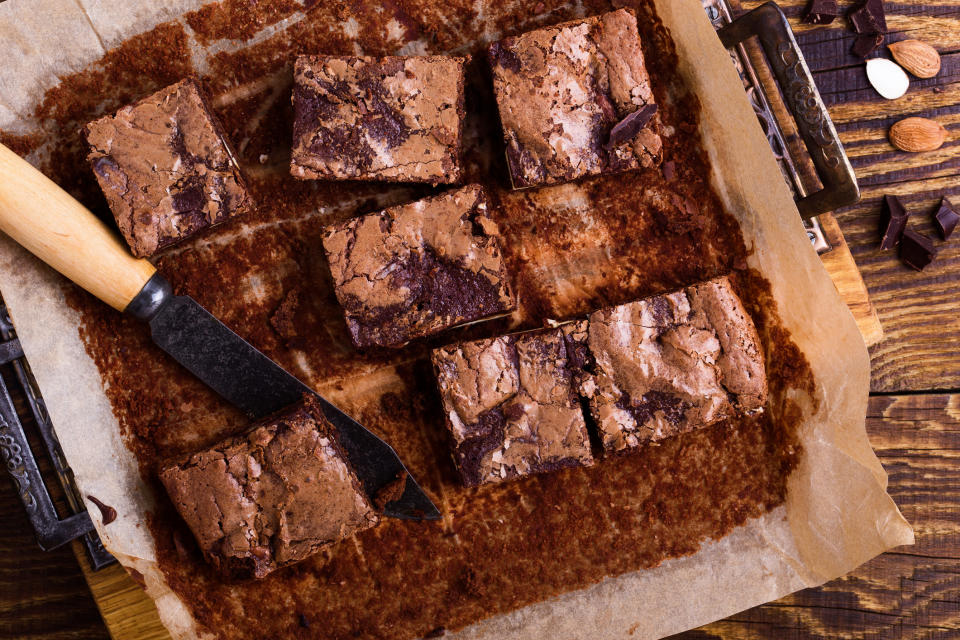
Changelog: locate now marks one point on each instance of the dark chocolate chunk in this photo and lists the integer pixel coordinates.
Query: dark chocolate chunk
(894, 220)
(865, 45)
(947, 218)
(631, 125)
(821, 12)
(868, 18)
(916, 249)
(108, 513)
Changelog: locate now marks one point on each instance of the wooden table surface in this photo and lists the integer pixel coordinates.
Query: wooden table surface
(914, 411)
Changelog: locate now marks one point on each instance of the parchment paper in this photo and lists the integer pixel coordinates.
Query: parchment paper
(837, 513)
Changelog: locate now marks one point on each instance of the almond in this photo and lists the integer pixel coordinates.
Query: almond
(917, 57)
(917, 134)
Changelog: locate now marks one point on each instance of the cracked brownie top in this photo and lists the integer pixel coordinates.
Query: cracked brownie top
(575, 100)
(165, 168)
(416, 269)
(272, 496)
(669, 363)
(511, 406)
(395, 118)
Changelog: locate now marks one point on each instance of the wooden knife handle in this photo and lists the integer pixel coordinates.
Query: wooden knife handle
(56, 228)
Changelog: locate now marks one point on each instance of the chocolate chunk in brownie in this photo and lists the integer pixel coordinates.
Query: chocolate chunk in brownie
(166, 168)
(668, 364)
(562, 90)
(272, 496)
(396, 119)
(511, 406)
(419, 268)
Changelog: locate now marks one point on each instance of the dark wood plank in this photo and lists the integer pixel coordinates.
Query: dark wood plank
(910, 592)
(43, 595)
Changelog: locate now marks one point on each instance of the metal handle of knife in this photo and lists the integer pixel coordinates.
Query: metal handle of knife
(52, 225)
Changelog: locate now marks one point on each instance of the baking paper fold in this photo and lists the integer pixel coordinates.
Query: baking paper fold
(837, 513)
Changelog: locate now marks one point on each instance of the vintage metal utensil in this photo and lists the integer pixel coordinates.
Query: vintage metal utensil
(56, 228)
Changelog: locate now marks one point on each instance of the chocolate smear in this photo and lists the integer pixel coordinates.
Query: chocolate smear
(630, 126)
(947, 218)
(894, 221)
(821, 12)
(916, 249)
(107, 513)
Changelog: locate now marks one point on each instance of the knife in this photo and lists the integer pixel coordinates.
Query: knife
(53, 226)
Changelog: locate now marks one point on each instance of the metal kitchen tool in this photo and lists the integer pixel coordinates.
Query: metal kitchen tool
(53, 226)
(809, 114)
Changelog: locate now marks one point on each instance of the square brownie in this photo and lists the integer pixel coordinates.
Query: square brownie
(575, 100)
(396, 119)
(272, 496)
(668, 364)
(419, 268)
(511, 406)
(166, 168)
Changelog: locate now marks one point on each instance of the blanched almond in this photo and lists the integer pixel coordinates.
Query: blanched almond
(917, 134)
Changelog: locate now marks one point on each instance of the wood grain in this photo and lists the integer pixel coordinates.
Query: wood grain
(910, 592)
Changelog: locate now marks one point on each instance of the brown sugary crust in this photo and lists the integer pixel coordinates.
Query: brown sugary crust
(417, 269)
(395, 119)
(511, 407)
(667, 364)
(166, 168)
(272, 496)
(562, 89)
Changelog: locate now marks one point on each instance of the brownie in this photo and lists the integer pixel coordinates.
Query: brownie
(272, 496)
(668, 364)
(396, 119)
(575, 100)
(511, 406)
(416, 269)
(166, 168)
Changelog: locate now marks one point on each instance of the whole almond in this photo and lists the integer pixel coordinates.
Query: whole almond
(917, 134)
(917, 57)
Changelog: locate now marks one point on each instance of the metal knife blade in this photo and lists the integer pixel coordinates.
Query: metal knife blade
(257, 385)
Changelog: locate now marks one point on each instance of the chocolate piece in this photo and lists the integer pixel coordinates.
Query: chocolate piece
(272, 496)
(511, 406)
(916, 249)
(396, 119)
(166, 168)
(947, 218)
(561, 89)
(821, 12)
(868, 18)
(630, 126)
(669, 169)
(865, 45)
(670, 363)
(107, 513)
(894, 220)
(417, 269)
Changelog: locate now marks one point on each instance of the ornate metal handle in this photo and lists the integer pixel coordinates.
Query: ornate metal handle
(768, 23)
